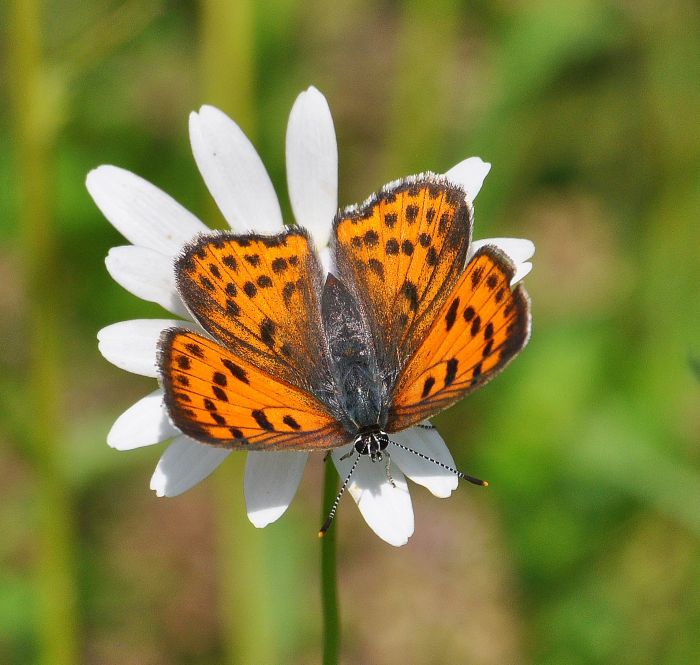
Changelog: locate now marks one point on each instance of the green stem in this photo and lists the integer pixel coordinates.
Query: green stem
(35, 105)
(329, 592)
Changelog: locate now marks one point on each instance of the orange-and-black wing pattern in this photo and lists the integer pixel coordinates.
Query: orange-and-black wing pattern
(220, 398)
(480, 327)
(400, 253)
(259, 296)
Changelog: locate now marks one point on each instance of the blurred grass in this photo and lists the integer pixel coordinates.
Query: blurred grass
(585, 547)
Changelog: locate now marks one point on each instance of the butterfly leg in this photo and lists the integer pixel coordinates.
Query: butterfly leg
(387, 466)
(347, 454)
(428, 427)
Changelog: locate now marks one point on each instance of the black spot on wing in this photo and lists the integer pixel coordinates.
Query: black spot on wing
(287, 291)
(377, 267)
(451, 315)
(236, 371)
(476, 326)
(218, 418)
(232, 307)
(412, 213)
(230, 262)
(260, 418)
(476, 373)
(289, 421)
(411, 294)
(195, 349)
(451, 371)
(267, 332)
(279, 265)
(219, 393)
(371, 238)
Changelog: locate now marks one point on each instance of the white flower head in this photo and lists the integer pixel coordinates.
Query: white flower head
(157, 228)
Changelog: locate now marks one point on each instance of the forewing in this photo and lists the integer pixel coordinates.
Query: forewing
(480, 328)
(259, 296)
(218, 397)
(400, 253)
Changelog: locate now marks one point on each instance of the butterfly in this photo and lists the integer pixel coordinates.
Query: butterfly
(295, 359)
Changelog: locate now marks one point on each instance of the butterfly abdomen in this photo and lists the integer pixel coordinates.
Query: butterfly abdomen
(359, 389)
(360, 397)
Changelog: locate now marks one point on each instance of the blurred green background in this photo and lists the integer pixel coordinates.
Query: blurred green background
(584, 550)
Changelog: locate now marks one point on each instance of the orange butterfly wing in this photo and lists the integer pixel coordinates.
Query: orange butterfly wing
(220, 398)
(400, 253)
(259, 295)
(482, 325)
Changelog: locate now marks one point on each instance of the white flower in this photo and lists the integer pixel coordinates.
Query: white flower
(157, 228)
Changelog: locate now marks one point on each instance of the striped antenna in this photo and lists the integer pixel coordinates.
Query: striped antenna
(331, 515)
(459, 474)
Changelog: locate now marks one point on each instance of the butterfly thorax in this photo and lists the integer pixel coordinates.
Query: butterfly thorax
(372, 444)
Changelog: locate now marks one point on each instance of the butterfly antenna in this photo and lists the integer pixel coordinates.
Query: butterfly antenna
(459, 474)
(331, 515)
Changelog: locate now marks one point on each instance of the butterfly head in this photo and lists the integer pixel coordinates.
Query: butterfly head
(372, 444)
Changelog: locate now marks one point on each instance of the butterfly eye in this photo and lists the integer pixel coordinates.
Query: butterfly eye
(362, 445)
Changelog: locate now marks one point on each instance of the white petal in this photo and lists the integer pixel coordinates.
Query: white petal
(386, 509)
(132, 345)
(142, 213)
(271, 481)
(234, 173)
(147, 274)
(439, 481)
(518, 249)
(521, 270)
(327, 260)
(470, 174)
(312, 165)
(142, 424)
(185, 463)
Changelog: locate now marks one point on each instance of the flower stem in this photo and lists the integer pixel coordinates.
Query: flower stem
(329, 592)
